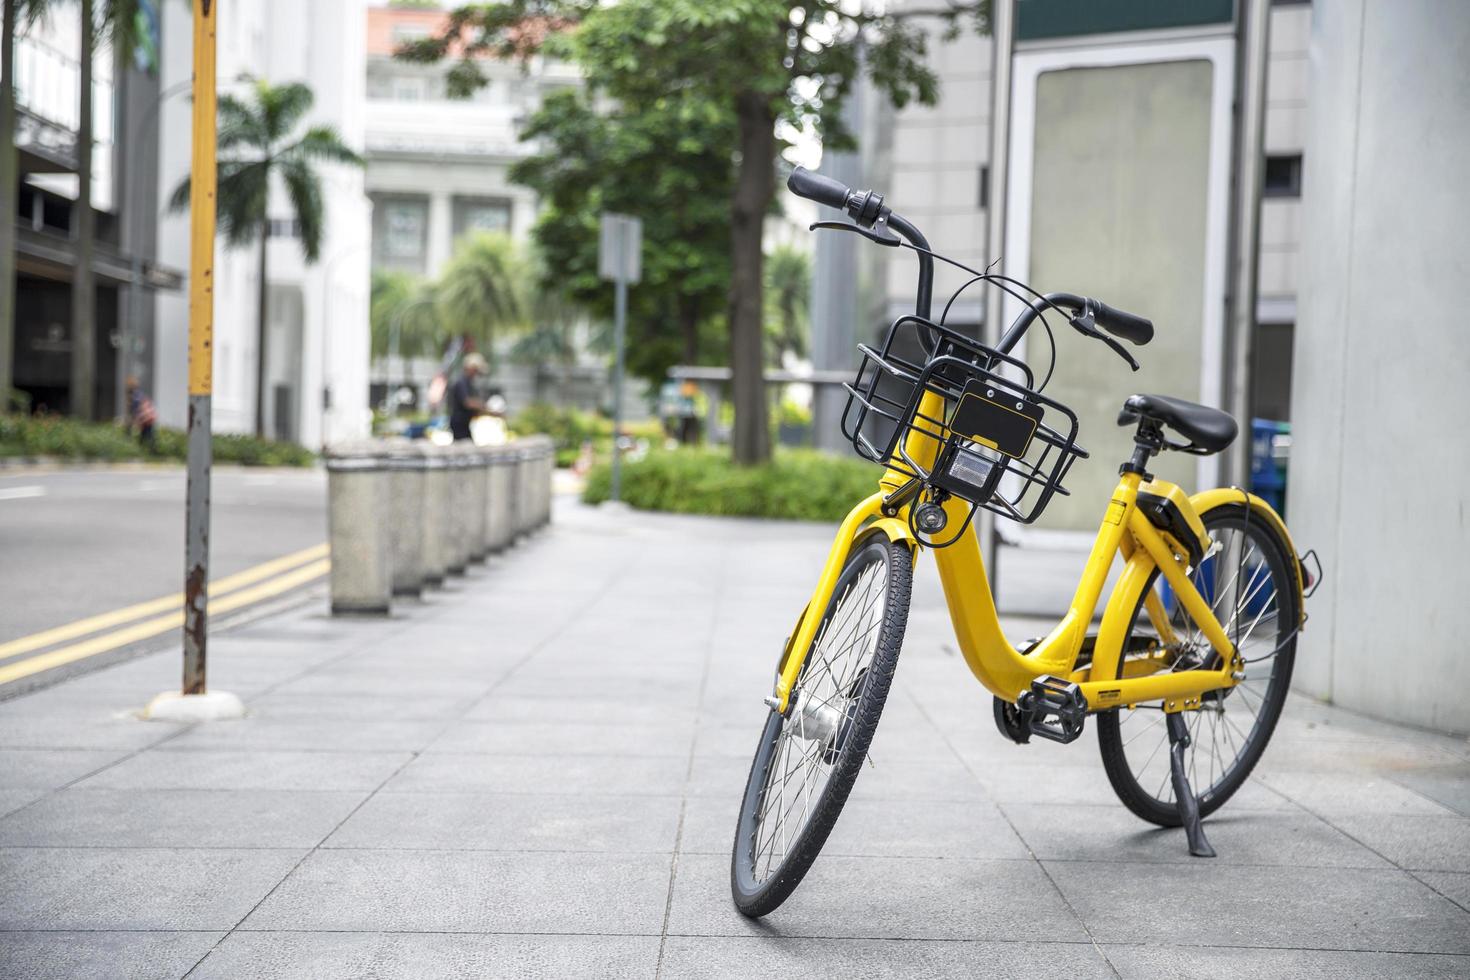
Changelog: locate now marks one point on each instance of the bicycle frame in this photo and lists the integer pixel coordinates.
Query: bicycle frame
(998, 665)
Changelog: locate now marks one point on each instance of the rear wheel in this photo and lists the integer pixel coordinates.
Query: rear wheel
(1251, 587)
(807, 759)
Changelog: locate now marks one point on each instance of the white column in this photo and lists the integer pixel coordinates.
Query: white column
(441, 233)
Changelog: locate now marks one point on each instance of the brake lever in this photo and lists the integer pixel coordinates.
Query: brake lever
(886, 237)
(1084, 324)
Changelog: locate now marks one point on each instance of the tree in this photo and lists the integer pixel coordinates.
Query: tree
(773, 63)
(257, 148)
(788, 300)
(483, 288)
(404, 302)
(666, 162)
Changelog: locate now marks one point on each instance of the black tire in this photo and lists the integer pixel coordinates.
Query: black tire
(854, 695)
(1222, 753)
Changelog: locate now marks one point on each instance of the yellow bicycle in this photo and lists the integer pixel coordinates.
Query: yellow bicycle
(1189, 668)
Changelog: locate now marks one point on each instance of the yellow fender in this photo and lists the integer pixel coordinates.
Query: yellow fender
(864, 519)
(1210, 499)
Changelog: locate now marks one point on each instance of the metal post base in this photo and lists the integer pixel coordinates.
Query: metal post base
(1183, 793)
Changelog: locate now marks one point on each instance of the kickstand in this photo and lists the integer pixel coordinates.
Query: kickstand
(1183, 793)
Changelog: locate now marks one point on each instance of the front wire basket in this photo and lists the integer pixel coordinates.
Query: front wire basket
(988, 469)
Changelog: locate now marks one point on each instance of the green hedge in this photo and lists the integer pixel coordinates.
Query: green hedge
(798, 484)
(569, 428)
(64, 438)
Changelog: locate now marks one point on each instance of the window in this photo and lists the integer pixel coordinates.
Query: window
(283, 228)
(1283, 176)
(480, 214)
(984, 192)
(400, 232)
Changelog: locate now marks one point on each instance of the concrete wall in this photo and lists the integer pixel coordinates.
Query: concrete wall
(1382, 363)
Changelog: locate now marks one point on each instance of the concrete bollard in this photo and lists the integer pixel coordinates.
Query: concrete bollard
(479, 515)
(456, 521)
(435, 515)
(548, 477)
(500, 506)
(358, 499)
(407, 506)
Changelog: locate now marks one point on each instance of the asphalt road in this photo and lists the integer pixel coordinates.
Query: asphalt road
(75, 543)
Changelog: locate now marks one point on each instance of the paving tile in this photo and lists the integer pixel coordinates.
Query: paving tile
(1447, 785)
(178, 818)
(1454, 885)
(500, 707)
(879, 828)
(1112, 834)
(13, 799)
(424, 956)
(102, 955)
(184, 768)
(565, 738)
(1207, 903)
(769, 956)
(1206, 963)
(883, 898)
(512, 822)
(1341, 793)
(359, 707)
(471, 891)
(312, 734)
(135, 888)
(450, 772)
(1416, 843)
(110, 728)
(51, 768)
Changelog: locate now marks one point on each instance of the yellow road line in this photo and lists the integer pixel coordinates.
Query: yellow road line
(160, 624)
(127, 614)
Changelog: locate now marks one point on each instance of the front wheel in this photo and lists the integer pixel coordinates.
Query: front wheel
(808, 758)
(1250, 584)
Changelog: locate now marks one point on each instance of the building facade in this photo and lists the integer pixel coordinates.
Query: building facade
(438, 170)
(1144, 223)
(317, 344)
(124, 93)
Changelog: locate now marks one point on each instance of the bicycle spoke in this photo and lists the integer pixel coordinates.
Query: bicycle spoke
(830, 680)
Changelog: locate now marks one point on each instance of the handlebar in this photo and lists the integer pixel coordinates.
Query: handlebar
(866, 208)
(819, 188)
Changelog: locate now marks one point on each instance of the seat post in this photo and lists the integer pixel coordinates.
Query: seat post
(1148, 441)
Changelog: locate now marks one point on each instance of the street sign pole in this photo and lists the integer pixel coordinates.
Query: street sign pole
(201, 352)
(194, 702)
(620, 321)
(619, 258)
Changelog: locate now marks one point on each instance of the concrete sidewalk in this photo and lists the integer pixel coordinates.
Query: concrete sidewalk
(535, 773)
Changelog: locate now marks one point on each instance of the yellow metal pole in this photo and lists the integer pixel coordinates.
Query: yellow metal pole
(201, 349)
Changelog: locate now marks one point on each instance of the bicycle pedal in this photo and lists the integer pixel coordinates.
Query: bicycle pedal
(1055, 709)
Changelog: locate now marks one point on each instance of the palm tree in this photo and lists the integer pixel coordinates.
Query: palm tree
(16, 12)
(258, 146)
(484, 288)
(403, 301)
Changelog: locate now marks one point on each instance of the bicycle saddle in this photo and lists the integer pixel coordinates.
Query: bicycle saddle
(1208, 429)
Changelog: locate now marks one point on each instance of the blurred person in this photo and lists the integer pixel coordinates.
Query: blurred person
(693, 405)
(142, 416)
(464, 401)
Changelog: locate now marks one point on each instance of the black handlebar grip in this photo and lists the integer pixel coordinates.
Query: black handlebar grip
(1135, 329)
(815, 187)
